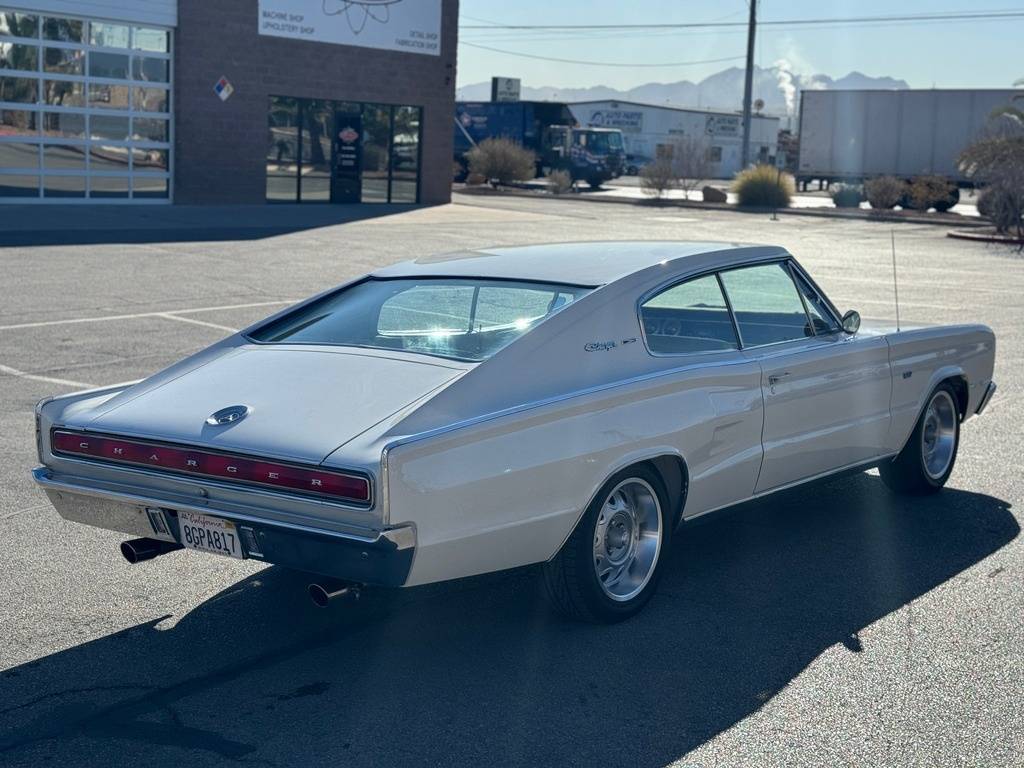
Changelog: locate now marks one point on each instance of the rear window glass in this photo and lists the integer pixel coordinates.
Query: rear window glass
(464, 319)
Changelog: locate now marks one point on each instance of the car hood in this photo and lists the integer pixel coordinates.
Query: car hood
(303, 402)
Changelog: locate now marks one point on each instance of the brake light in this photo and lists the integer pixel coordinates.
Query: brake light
(216, 465)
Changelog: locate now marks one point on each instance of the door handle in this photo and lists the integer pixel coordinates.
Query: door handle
(775, 378)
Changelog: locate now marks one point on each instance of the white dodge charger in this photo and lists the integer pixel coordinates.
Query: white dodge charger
(565, 405)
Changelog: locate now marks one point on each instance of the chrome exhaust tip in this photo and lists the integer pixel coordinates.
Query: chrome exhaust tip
(138, 550)
(325, 593)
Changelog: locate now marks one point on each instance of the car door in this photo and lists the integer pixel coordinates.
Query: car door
(826, 393)
(715, 409)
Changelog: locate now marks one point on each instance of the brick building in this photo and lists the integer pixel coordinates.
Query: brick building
(227, 101)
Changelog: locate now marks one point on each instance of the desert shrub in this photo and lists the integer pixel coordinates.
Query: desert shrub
(475, 179)
(847, 196)
(997, 158)
(658, 177)
(1003, 205)
(932, 192)
(502, 161)
(885, 191)
(763, 186)
(559, 182)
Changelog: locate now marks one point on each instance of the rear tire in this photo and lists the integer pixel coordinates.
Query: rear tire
(611, 564)
(926, 461)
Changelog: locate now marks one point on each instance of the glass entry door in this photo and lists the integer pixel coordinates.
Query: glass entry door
(346, 158)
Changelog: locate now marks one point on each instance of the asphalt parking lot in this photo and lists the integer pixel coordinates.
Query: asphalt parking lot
(830, 625)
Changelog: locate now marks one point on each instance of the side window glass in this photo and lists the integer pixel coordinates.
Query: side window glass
(820, 316)
(689, 317)
(767, 306)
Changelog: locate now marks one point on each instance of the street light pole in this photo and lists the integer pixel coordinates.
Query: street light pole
(748, 85)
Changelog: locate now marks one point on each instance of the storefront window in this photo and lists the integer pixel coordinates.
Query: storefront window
(376, 145)
(108, 35)
(62, 30)
(19, 24)
(317, 126)
(66, 158)
(300, 145)
(283, 150)
(18, 56)
(405, 155)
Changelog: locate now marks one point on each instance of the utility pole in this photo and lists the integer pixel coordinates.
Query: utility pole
(748, 85)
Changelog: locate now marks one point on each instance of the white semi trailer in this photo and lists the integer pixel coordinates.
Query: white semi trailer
(856, 135)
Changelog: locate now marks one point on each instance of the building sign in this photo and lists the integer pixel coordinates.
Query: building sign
(505, 89)
(223, 88)
(627, 121)
(722, 125)
(413, 26)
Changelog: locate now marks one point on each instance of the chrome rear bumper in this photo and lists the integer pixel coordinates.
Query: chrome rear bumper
(383, 557)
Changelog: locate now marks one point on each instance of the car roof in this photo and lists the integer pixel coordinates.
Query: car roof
(578, 263)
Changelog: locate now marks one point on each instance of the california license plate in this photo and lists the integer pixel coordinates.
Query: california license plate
(209, 534)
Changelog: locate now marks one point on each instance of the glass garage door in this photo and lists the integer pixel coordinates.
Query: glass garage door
(85, 110)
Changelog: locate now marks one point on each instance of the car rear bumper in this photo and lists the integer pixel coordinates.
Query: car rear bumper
(383, 557)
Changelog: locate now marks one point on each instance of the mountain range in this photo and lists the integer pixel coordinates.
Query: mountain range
(778, 86)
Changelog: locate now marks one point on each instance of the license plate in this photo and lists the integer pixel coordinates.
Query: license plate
(209, 534)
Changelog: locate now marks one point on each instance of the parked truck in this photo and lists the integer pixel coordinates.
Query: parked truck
(549, 130)
(851, 136)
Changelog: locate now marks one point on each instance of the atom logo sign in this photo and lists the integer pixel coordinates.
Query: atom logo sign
(358, 12)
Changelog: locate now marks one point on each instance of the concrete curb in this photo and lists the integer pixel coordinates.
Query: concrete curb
(986, 237)
(887, 217)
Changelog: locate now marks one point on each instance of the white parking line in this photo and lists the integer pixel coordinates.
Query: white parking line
(180, 319)
(137, 315)
(47, 379)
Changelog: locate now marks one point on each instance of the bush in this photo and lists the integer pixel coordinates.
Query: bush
(885, 191)
(1003, 205)
(502, 161)
(847, 196)
(932, 192)
(997, 159)
(763, 186)
(559, 182)
(657, 177)
(475, 180)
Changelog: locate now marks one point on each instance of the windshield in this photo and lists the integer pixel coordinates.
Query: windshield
(466, 319)
(601, 142)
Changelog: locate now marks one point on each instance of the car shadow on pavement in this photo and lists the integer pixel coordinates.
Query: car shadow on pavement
(479, 671)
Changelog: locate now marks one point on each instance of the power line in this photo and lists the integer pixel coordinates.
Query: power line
(601, 63)
(947, 16)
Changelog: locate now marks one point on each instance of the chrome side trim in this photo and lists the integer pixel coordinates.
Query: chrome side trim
(404, 536)
(989, 391)
(866, 464)
(534, 404)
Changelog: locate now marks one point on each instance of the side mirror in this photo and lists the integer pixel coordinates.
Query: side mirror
(851, 321)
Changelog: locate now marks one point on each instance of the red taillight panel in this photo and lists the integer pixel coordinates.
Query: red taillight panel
(221, 466)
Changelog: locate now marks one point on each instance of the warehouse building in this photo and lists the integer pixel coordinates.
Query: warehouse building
(649, 131)
(227, 101)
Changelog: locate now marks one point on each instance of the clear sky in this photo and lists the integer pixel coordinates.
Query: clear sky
(969, 54)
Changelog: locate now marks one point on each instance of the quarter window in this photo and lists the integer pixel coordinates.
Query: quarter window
(689, 317)
(766, 304)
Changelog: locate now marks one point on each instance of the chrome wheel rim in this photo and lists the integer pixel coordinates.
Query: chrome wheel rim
(627, 539)
(938, 435)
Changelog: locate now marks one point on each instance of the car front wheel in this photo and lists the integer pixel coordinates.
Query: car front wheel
(927, 460)
(610, 565)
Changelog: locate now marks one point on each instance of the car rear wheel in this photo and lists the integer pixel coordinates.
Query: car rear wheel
(610, 565)
(927, 460)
